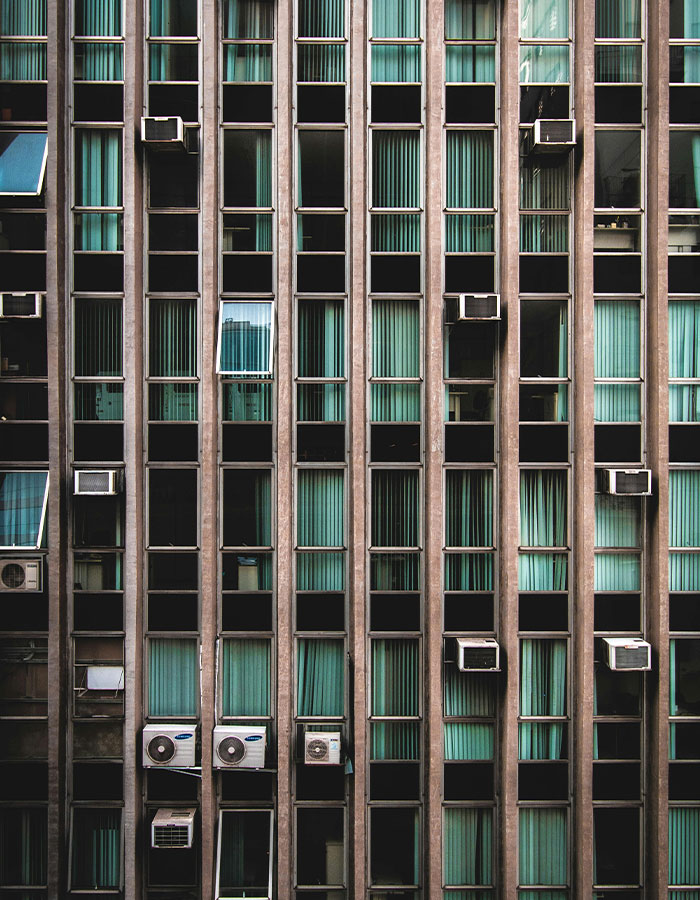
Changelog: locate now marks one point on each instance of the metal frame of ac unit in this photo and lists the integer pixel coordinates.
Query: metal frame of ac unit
(183, 737)
(482, 643)
(156, 142)
(614, 644)
(33, 569)
(610, 482)
(253, 737)
(462, 317)
(332, 739)
(114, 482)
(173, 817)
(537, 145)
(37, 304)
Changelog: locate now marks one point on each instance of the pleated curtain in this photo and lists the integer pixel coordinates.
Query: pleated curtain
(544, 234)
(541, 740)
(684, 529)
(172, 402)
(22, 61)
(96, 849)
(544, 185)
(618, 18)
(98, 18)
(245, 677)
(469, 233)
(23, 838)
(469, 694)
(474, 20)
(321, 339)
(396, 18)
(469, 172)
(543, 508)
(23, 18)
(684, 359)
(21, 507)
(395, 677)
(321, 402)
(98, 338)
(244, 864)
(617, 355)
(101, 62)
(245, 338)
(173, 677)
(468, 740)
(467, 64)
(247, 402)
(396, 169)
(395, 740)
(394, 571)
(542, 677)
(321, 18)
(468, 846)
(98, 158)
(468, 508)
(321, 62)
(543, 846)
(321, 571)
(394, 508)
(396, 63)
(617, 524)
(248, 19)
(395, 402)
(684, 847)
(396, 233)
(320, 508)
(621, 64)
(469, 572)
(320, 677)
(395, 339)
(172, 338)
(247, 62)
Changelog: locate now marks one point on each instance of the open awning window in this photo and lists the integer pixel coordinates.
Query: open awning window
(22, 163)
(244, 854)
(23, 497)
(245, 337)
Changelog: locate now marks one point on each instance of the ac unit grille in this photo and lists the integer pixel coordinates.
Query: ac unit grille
(94, 482)
(161, 748)
(19, 304)
(480, 658)
(13, 576)
(171, 836)
(161, 129)
(317, 749)
(631, 482)
(481, 307)
(557, 132)
(231, 750)
(631, 658)
(20, 575)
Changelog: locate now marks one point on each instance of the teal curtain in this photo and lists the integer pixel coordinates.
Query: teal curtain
(96, 843)
(544, 185)
(617, 572)
(20, 61)
(320, 677)
(469, 693)
(617, 403)
(98, 18)
(542, 572)
(396, 169)
(321, 339)
(248, 19)
(544, 234)
(468, 846)
(542, 740)
(394, 571)
(22, 502)
(244, 855)
(469, 234)
(172, 402)
(173, 18)
(321, 402)
(543, 508)
(683, 846)
(395, 402)
(544, 19)
(469, 571)
(395, 740)
(467, 64)
(618, 18)
(395, 677)
(395, 339)
(684, 508)
(321, 571)
(246, 330)
(23, 17)
(321, 63)
(173, 62)
(98, 161)
(544, 64)
(172, 338)
(321, 18)
(684, 571)
(395, 508)
(617, 524)
(617, 355)
(470, 20)
(396, 18)
(543, 846)
(320, 508)
(173, 677)
(469, 167)
(542, 677)
(396, 63)
(684, 359)
(468, 508)
(247, 62)
(245, 676)
(247, 402)
(618, 64)
(23, 838)
(98, 338)
(468, 740)
(396, 233)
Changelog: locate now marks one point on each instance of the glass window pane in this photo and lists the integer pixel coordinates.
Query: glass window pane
(465, 64)
(321, 63)
(396, 169)
(395, 339)
(245, 338)
(617, 168)
(320, 677)
(544, 64)
(247, 168)
(544, 184)
(621, 64)
(618, 18)
(394, 508)
(23, 497)
(23, 851)
(684, 174)
(395, 677)
(98, 17)
(172, 338)
(684, 508)
(173, 62)
(468, 846)
(683, 852)
(617, 341)
(321, 340)
(684, 673)
(320, 855)
(396, 18)
(543, 678)
(470, 20)
(685, 19)
(469, 169)
(176, 18)
(468, 508)
(245, 19)
(98, 338)
(22, 62)
(246, 508)
(320, 508)
(321, 169)
(173, 677)
(321, 20)
(543, 339)
(394, 847)
(247, 62)
(22, 163)
(98, 164)
(23, 17)
(396, 63)
(245, 677)
(245, 853)
(544, 19)
(96, 844)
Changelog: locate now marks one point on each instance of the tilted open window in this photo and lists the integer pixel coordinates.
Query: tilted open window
(244, 854)
(22, 163)
(246, 336)
(23, 498)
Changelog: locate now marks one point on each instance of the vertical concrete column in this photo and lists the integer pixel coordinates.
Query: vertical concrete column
(657, 681)
(582, 509)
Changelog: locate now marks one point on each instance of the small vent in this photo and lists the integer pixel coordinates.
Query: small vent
(557, 131)
(96, 481)
(631, 658)
(479, 306)
(480, 658)
(160, 130)
(21, 306)
(172, 829)
(165, 836)
(632, 482)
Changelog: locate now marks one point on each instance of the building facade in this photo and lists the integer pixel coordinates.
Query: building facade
(349, 412)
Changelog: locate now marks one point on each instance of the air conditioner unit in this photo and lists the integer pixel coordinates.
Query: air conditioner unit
(169, 745)
(322, 748)
(173, 829)
(552, 135)
(629, 482)
(478, 655)
(239, 747)
(96, 482)
(163, 132)
(20, 574)
(479, 307)
(20, 306)
(630, 654)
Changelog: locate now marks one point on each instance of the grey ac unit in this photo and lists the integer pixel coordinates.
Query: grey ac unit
(96, 482)
(629, 654)
(20, 574)
(552, 135)
(322, 748)
(478, 655)
(479, 307)
(239, 747)
(173, 829)
(627, 482)
(20, 306)
(163, 132)
(169, 745)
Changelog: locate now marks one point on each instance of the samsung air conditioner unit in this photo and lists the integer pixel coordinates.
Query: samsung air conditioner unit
(478, 655)
(173, 829)
(20, 574)
(96, 482)
(20, 306)
(322, 748)
(169, 745)
(163, 132)
(479, 307)
(239, 747)
(628, 482)
(552, 135)
(629, 654)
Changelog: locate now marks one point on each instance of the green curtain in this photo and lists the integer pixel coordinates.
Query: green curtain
(683, 846)
(544, 185)
(396, 63)
(172, 62)
(99, 62)
(244, 855)
(542, 740)
(245, 675)
(23, 17)
(396, 169)
(246, 19)
(617, 403)
(396, 18)
(247, 62)
(395, 740)
(466, 233)
(545, 19)
(618, 18)
(320, 677)
(320, 508)
(617, 524)
(544, 234)
(321, 63)
(684, 571)
(395, 677)
(321, 402)
(395, 508)
(321, 18)
(245, 338)
(96, 849)
(23, 837)
(321, 571)
(396, 233)
(684, 508)
(543, 508)
(544, 64)
(321, 339)
(542, 677)
(98, 160)
(394, 571)
(684, 359)
(98, 338)
(469, 693)
(98, 18)
(470, 20)
(543, 846)
(468, 846)
(542, 572)
(469, 571)
(22, 500)
(173, 18)
(395, 339)
(468, 508)
(172, 338)
(468, 740)
(395, 402)
(20, 61)
(466, 64)
(469, 166)
(620, 64)
(247, 402)
(616, 347)
(617, 572)
(173, 677)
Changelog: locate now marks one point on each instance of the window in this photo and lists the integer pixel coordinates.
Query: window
(23, 839)
(396, 170)
(394, 846)
(244, 854)
(684, 360)
(320, 677)
(173, 677)
(245, 677)
(684, 841)
(22, 163)
(395, 519)
(684, 529)
(23, 60)
(468, 847)
(23, 499)
(543, 846)
(96, 849)
(617, 525)
(320, 508)
(617, 169)
(245, 338)
(320, 851)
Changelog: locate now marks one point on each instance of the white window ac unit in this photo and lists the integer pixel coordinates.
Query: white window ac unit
(105, 678)
(163, 132)
(239, 747)
(630, 482)
(20, 574)
(20, 306)
(552, 135)
(478, 655)
(630, 654)
(322, 748)
(96, 482)
(169, 746)
(479, 307)
(173, 829)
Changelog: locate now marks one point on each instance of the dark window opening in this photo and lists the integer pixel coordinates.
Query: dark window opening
(546, 101)
(247, 273)
(618, 740)
(98, 612)
(247, 786)
(173, 180)
(683, 274)
(617, 168)
(97, 521)
(544, 443)
(173, 443)
(249, 442)
(24, 780)
(246, 612)
(162, 785)
(686, 739)
(395, 274)
(684, 615)
(23, 103)
(23, 231)
(469, 443)
(617, 693)
(98, 272)
(544, 274)
(470, 350)
(172, 507)
(616, 781)
(395, 612)
(618, 443)
(321, 233)
(468, 781)
(321, 103)
(98, 781)
(173, 571)
(394, 781)
(396, 103)
(543, 781)
(25, 442)
(172, 867)
(172, 232)
(320, 443)
(683, 781)
(394, 833)
(543, 612)
(684, 443)
(320, 612)
(470, 103)
(247, 102)
(23, 347)
(616, 836)
(172, 273)
(320, 782)
(98, 443)
(617, 612)
(321, 273)
(617, 274)
(684, 102)
(98, 102)
(469, 274)
(246, 505)
(542, 338)
(468, 612)
(395, 443)
(174, 100)
(23, 272)
(172, 612)
(618, 104)
(24, 401)
(321, 169)
(320, 840)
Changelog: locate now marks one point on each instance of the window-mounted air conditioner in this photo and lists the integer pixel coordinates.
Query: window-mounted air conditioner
(169, 745)
(105, 678)
(163, 132)
(478, 655)
(479, 307)
(96, 482)
(239, 747)
(173, 829)
(322, 748)
(629, 482)
(20, 574)
(552, 135)
(630, 654)
(20, 306)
